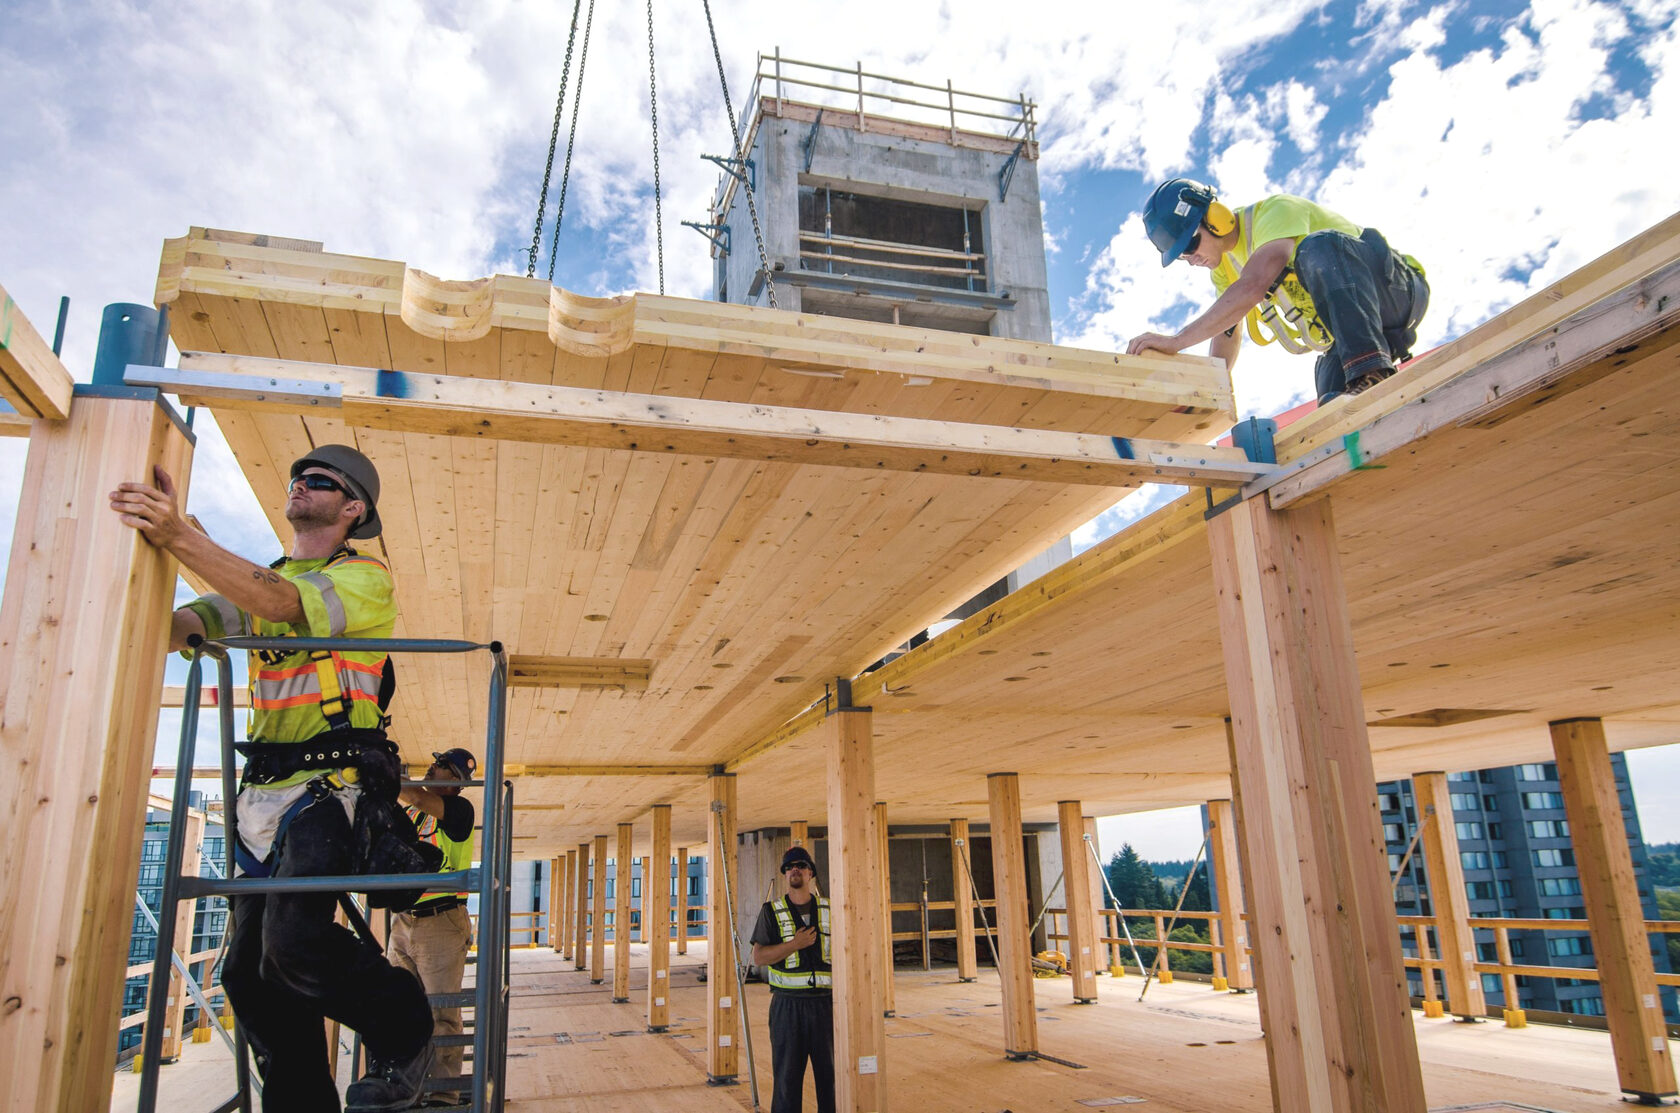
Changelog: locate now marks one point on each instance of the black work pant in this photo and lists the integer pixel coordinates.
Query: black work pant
(801, 1028)
(289, 966)
(1370, 299)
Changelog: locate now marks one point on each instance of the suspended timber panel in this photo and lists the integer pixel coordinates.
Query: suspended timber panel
(739, 585)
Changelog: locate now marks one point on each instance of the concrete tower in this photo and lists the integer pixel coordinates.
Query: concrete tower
(886, 199)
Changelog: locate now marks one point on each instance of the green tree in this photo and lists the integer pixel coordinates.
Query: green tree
(1668, 907)
(1136, 887)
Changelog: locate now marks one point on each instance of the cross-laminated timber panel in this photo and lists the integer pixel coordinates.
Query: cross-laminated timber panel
(745, 584)
(1499, 571)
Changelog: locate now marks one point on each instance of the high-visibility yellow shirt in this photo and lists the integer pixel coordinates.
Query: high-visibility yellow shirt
(459, 815)
(1283, 216)
(345, 594)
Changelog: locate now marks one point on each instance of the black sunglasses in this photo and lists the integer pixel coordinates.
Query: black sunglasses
(1195, 242)
(314, 481)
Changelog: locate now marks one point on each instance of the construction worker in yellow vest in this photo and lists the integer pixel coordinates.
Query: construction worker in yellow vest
(791, 940)
(1292, 272)
(432, 938)
(316, 748)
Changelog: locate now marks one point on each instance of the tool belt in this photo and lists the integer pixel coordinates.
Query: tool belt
(268, 762)
(384, 840)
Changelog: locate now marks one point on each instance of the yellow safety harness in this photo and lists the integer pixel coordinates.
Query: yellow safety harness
(1277, 319)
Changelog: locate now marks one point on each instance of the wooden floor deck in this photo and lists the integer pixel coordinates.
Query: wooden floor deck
(1184, 1049)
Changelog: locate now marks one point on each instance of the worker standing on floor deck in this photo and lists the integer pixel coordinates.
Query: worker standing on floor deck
(1299, 275)
(431, 939)
(289, 965)
(791, 939)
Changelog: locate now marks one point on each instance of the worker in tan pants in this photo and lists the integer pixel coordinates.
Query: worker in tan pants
(432, 938)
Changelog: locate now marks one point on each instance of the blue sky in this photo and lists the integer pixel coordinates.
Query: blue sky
(1502, 144)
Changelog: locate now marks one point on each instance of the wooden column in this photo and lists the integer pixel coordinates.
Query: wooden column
(580, 897)
(1333, 995)
(566, 911)
(556, 902)
(184, 918)
(84, 629)
(854, 857)
(799, 833)
(723, 1024)
(1626, 977)
(962, 851)
(598, 916)
(1448, 899)
(889, 1003)
(1082, 914)
(682, 900)
(637, 924)
(1227, 880)
(1009, 876)
(1099, 897)
(656, 920)
(624, 867)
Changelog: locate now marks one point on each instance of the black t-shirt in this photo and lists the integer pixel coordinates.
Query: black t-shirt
(459, 815)
(767, 931)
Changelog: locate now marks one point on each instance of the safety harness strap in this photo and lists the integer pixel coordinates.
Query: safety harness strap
(263, 867)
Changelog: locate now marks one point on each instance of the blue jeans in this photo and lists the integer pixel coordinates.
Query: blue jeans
(1367, 296)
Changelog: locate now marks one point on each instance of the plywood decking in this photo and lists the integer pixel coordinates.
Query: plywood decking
(1185, 1049)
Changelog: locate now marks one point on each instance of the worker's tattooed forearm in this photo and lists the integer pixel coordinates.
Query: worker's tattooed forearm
(266, 576)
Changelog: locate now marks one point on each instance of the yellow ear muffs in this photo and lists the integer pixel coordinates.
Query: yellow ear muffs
(1220, 220)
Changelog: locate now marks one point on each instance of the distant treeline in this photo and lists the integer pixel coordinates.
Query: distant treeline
(1662, 865)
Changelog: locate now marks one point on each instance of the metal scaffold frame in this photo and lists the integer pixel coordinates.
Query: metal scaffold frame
(489, 880)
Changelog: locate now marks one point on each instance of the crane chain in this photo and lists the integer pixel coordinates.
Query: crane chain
(653, 111)
(553, 142)
(571, 141)
(740, 155)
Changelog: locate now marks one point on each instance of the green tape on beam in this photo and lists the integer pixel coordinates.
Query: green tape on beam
(1356, 455)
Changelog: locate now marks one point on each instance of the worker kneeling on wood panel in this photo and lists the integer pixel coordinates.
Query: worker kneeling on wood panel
(320, 783)
(791, 939)
(1299, 275)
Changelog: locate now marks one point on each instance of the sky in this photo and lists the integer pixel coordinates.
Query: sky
(1504, 145)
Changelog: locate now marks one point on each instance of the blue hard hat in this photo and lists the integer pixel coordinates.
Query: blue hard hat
(1174, 212)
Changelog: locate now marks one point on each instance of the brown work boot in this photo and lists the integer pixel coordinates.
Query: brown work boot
(1368, 380)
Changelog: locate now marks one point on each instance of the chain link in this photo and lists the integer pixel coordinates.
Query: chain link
(571, 141)
(741, 156)
(553, 141)
(653, 110)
